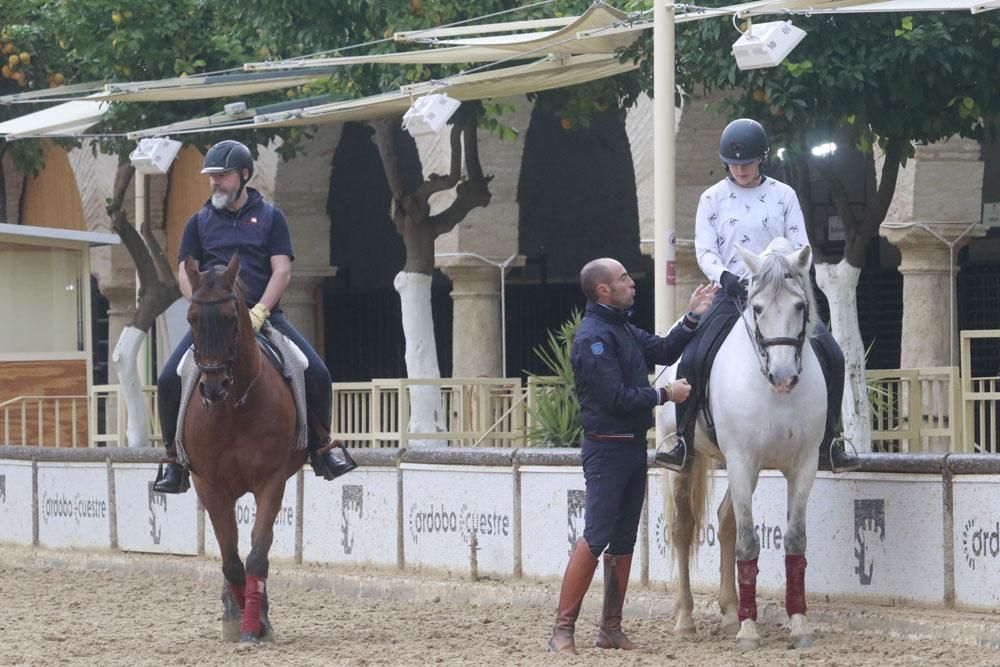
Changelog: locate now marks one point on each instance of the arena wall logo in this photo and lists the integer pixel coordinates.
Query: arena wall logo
(771, 538)
(980, 543)
(247, 514)
(157, 508)
(439, 519)
(869, 538)
(576, 505)
(352, 507)
(59, 506)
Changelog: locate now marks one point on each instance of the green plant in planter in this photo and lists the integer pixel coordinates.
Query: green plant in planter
(553, 408)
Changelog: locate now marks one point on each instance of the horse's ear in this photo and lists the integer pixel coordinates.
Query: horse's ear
(232, 270)
(802, 258)
(191, 269)
(750, 259)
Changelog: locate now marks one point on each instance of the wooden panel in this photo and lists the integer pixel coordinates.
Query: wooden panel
(52, 199)
(44, 378)
(187, 193)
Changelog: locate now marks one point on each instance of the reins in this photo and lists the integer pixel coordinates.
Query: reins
(227, 365)
(761, 343)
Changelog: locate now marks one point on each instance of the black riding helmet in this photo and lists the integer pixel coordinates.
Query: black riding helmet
(226, 156)
(742, 142)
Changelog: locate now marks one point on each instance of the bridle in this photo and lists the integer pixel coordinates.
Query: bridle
(762, 344)
(227, 365)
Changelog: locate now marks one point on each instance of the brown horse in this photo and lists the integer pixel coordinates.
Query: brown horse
(239, 436)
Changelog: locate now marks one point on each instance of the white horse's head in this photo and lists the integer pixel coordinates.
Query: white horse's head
(781, 309)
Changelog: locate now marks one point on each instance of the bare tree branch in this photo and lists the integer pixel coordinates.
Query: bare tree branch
(471, 194)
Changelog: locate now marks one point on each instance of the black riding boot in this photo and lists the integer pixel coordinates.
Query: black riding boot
(681, 457)
(171, 477)
(325, 462)
(832, 454)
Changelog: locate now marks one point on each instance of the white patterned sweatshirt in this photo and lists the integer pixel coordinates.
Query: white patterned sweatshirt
(730, 215)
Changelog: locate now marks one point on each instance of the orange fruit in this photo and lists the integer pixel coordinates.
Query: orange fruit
(13, 61)
(566, 123)
(58, 79)
(759, 95)
(6, 71)
(25, 58)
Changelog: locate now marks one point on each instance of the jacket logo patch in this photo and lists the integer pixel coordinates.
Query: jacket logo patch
(597, 348)
(252, 221)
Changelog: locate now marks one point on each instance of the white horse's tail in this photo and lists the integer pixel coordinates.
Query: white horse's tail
(686, 498)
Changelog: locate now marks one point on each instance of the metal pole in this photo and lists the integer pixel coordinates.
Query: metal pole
(664, 252)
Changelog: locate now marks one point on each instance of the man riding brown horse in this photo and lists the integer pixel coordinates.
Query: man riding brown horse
(238, 220)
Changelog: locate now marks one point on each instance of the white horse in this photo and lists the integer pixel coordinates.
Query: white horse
(768, 399)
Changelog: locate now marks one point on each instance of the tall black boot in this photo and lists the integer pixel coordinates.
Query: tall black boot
(325, 462)
(681, 457)
(171, 477)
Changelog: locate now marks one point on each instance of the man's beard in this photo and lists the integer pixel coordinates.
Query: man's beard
(221, 199)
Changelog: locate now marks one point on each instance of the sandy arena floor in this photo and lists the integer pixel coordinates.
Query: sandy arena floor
(96, 609)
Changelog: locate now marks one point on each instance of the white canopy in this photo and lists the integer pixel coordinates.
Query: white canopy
(63, 119)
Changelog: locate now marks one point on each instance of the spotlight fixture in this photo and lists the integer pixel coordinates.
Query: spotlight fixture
(766, 44)
(429, 113)
(154, 156)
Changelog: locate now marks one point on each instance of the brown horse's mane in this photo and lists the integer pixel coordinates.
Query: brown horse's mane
(216, 337)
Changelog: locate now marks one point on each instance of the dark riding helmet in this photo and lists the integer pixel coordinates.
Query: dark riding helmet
(742, 142)
(226, 156)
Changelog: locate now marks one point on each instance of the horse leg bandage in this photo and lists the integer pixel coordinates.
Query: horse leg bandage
(254, 596)
(795, 584)
(238, 593)
(746, 577)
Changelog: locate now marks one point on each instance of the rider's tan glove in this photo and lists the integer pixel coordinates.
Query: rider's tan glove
(259, 315)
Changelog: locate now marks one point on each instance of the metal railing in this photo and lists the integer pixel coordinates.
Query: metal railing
(980, 399)
(915, 410)
(59, 421)
(924, 410)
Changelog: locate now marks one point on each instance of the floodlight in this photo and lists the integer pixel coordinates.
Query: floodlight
(766, 44)
(154, 156)
(429, 114)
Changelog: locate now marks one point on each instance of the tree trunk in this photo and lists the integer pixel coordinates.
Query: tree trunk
(157, 290)
(839, 283)
(130, 385)
(421, 355)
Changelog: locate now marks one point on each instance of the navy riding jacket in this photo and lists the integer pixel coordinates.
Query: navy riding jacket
(611, 358)
(257, 231)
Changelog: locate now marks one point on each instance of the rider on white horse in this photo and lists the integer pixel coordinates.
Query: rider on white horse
(748, 209)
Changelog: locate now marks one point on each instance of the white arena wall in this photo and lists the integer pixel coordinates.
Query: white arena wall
(918, 528)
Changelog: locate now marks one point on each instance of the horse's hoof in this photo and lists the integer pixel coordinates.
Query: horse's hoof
(748, 636)
(266, 631)
(231, 630)
(730, 629)
(248, 640)
(684, 627)
(800, 635)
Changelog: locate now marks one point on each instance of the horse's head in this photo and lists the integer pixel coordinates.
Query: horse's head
(216, 315)
(781, 308)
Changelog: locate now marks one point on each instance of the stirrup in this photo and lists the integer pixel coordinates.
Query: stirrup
(661, 453)
(843, 441)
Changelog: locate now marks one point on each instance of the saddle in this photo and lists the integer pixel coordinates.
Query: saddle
(282, 353)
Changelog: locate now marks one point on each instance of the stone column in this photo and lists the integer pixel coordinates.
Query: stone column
(936, 211)
(299, 301)
(477, 326)
(929, 310)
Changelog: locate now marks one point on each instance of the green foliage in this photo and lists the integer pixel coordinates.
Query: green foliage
(555, 413)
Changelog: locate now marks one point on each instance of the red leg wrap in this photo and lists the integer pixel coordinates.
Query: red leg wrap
(746, 577)
(254, 595)
(238, 594)
(795, 584)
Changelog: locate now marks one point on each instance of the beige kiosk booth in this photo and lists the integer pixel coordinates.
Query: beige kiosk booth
(45, 334)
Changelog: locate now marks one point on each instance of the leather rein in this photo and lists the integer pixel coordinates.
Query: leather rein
(227, 365)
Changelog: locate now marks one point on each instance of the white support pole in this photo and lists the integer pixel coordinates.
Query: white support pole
(664, 140)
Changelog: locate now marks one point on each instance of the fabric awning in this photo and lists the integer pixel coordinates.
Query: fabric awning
(209, 86)
(63, 119)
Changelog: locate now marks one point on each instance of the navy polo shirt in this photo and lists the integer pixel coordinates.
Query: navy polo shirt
(258, 231)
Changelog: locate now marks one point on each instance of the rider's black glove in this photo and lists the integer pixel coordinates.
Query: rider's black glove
(734, 287)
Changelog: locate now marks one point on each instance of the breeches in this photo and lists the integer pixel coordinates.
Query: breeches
(616, 487)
